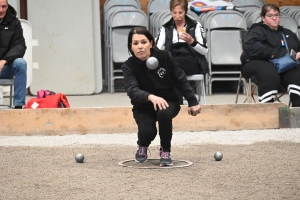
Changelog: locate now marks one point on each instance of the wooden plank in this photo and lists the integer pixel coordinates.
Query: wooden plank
(120, 119)
(231, 117)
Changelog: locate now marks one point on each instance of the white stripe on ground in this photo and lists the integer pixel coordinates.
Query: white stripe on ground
(179, 138)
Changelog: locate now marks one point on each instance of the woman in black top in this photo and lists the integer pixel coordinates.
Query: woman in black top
(264, 41)
(152, 93)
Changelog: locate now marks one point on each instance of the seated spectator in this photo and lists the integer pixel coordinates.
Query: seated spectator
(264, 41)
(12, 51)
(184, 38)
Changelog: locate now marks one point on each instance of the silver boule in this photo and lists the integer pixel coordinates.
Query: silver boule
(152, 63)
(218, 156)
(79, 158)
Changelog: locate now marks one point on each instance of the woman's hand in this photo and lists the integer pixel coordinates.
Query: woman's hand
(194, 110)
(186, 37)
(158, 102)
(298, 55)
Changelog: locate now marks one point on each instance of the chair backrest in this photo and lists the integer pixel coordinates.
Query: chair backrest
(225, 19)
(225, 47)
(155, 5)
(289, 23)
(192, 15)
(243, 34)
(121, 22)
(109, 3)
(27, 32)
(222, 30)
(248, 3)
(157, 19)
(112, 9)
(128, 18)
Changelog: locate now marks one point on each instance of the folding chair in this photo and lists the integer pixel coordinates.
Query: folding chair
(222, 33)
(200, 87)
(10, 83)
(120, 23)
(248, 3)
(155, 5)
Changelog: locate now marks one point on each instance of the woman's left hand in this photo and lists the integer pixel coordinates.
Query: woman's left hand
(186, 37)
(194, 110)
(298, 55)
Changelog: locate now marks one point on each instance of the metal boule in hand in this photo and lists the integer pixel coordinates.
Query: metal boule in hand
(152, 63)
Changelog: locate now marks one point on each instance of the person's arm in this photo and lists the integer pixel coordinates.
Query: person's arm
(200, 45)
(136, 94)
(17, 45)
(131, 86)
(161, 38)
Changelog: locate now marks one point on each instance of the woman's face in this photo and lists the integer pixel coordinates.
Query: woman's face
(178, 14)
(141, 46)
(272, 19)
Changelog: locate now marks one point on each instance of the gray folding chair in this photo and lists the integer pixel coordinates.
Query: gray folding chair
(107, 13)
(155, 5)
(200, 86)
(222, 33)
(120, 23)
(248, 3)
(10, 83)
(109, 3)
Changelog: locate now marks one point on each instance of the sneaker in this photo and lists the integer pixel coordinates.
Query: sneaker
(18, 107)
(141, 154)
(165, 158)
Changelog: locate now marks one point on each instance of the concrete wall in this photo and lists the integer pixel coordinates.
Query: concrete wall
(69, 52)
(16, 5)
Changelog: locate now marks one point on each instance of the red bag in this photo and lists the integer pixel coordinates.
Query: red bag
(58, 100)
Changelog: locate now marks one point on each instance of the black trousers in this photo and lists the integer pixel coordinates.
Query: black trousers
(146, 119)
(269, 81)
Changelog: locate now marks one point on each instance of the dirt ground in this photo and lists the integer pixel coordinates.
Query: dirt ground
(267, 170)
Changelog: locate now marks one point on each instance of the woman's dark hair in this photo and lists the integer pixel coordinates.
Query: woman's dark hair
(142, 31)
(266, 8)
(182, 3)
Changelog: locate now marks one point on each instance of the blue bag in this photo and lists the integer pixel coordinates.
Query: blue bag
(284, 63)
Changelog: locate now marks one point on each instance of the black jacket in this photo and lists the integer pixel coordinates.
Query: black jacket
(262, 42)
(12, 42)
(140, 82)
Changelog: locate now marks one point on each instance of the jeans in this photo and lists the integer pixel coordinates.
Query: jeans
(17, 69)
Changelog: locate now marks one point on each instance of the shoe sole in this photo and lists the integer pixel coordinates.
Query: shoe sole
(166, 165)
(140, 161)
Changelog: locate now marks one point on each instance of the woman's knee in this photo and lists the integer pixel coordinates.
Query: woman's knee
(164, 115)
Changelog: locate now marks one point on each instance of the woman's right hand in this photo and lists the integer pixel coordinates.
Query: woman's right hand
(158, 102)
(186, 37)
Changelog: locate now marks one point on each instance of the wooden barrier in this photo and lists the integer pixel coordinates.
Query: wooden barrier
(120, 119)
(289, 117)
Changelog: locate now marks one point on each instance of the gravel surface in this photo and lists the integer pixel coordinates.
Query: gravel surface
(179, 138)
(257, 164)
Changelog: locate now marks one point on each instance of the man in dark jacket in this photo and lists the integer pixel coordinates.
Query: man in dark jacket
(12, 50)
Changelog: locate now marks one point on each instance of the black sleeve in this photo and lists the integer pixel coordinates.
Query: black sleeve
(17, 46)
(132, 87)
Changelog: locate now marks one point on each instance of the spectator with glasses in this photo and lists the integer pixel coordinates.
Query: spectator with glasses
(265, 41)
